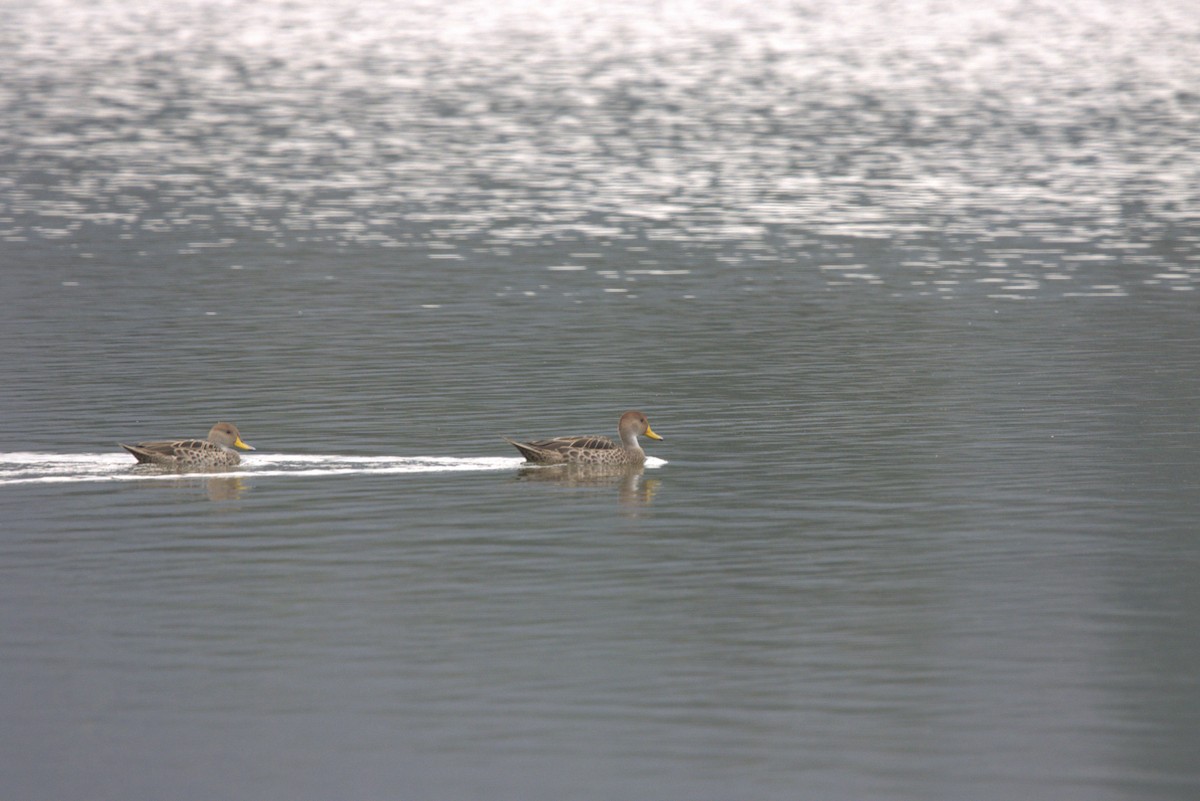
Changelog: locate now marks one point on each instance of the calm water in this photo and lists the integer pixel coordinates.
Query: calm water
(909, 289)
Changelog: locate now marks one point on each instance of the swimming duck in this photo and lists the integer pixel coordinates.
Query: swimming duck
(594, 449)
(215, 451)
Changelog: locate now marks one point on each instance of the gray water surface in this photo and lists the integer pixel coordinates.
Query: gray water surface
(909, 290)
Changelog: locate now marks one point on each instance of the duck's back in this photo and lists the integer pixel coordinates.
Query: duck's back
(183, 453)
(593, 442)
(594, 449)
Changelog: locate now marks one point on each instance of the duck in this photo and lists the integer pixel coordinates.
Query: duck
(217, 450)
(592, 450)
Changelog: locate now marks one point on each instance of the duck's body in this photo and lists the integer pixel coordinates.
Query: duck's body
(593, 450)
(193, 454)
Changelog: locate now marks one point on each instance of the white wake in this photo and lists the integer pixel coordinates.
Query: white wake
(49, 468)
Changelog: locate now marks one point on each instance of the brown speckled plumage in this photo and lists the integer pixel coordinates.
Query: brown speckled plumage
(194, 454)
(594, 450)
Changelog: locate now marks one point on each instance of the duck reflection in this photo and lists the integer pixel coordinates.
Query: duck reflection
(216, 487)
(224, 489)
(633, 488)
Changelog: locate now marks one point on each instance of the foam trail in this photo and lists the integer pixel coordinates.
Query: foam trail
(49, 468)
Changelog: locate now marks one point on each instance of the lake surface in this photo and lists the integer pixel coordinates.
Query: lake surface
(908, 289)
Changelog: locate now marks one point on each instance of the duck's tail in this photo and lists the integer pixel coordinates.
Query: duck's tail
(140, 454)
(530, 453)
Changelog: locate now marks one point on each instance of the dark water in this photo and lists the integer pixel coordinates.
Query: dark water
(909, 289)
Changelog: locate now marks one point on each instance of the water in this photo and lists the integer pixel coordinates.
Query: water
(909, 290)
